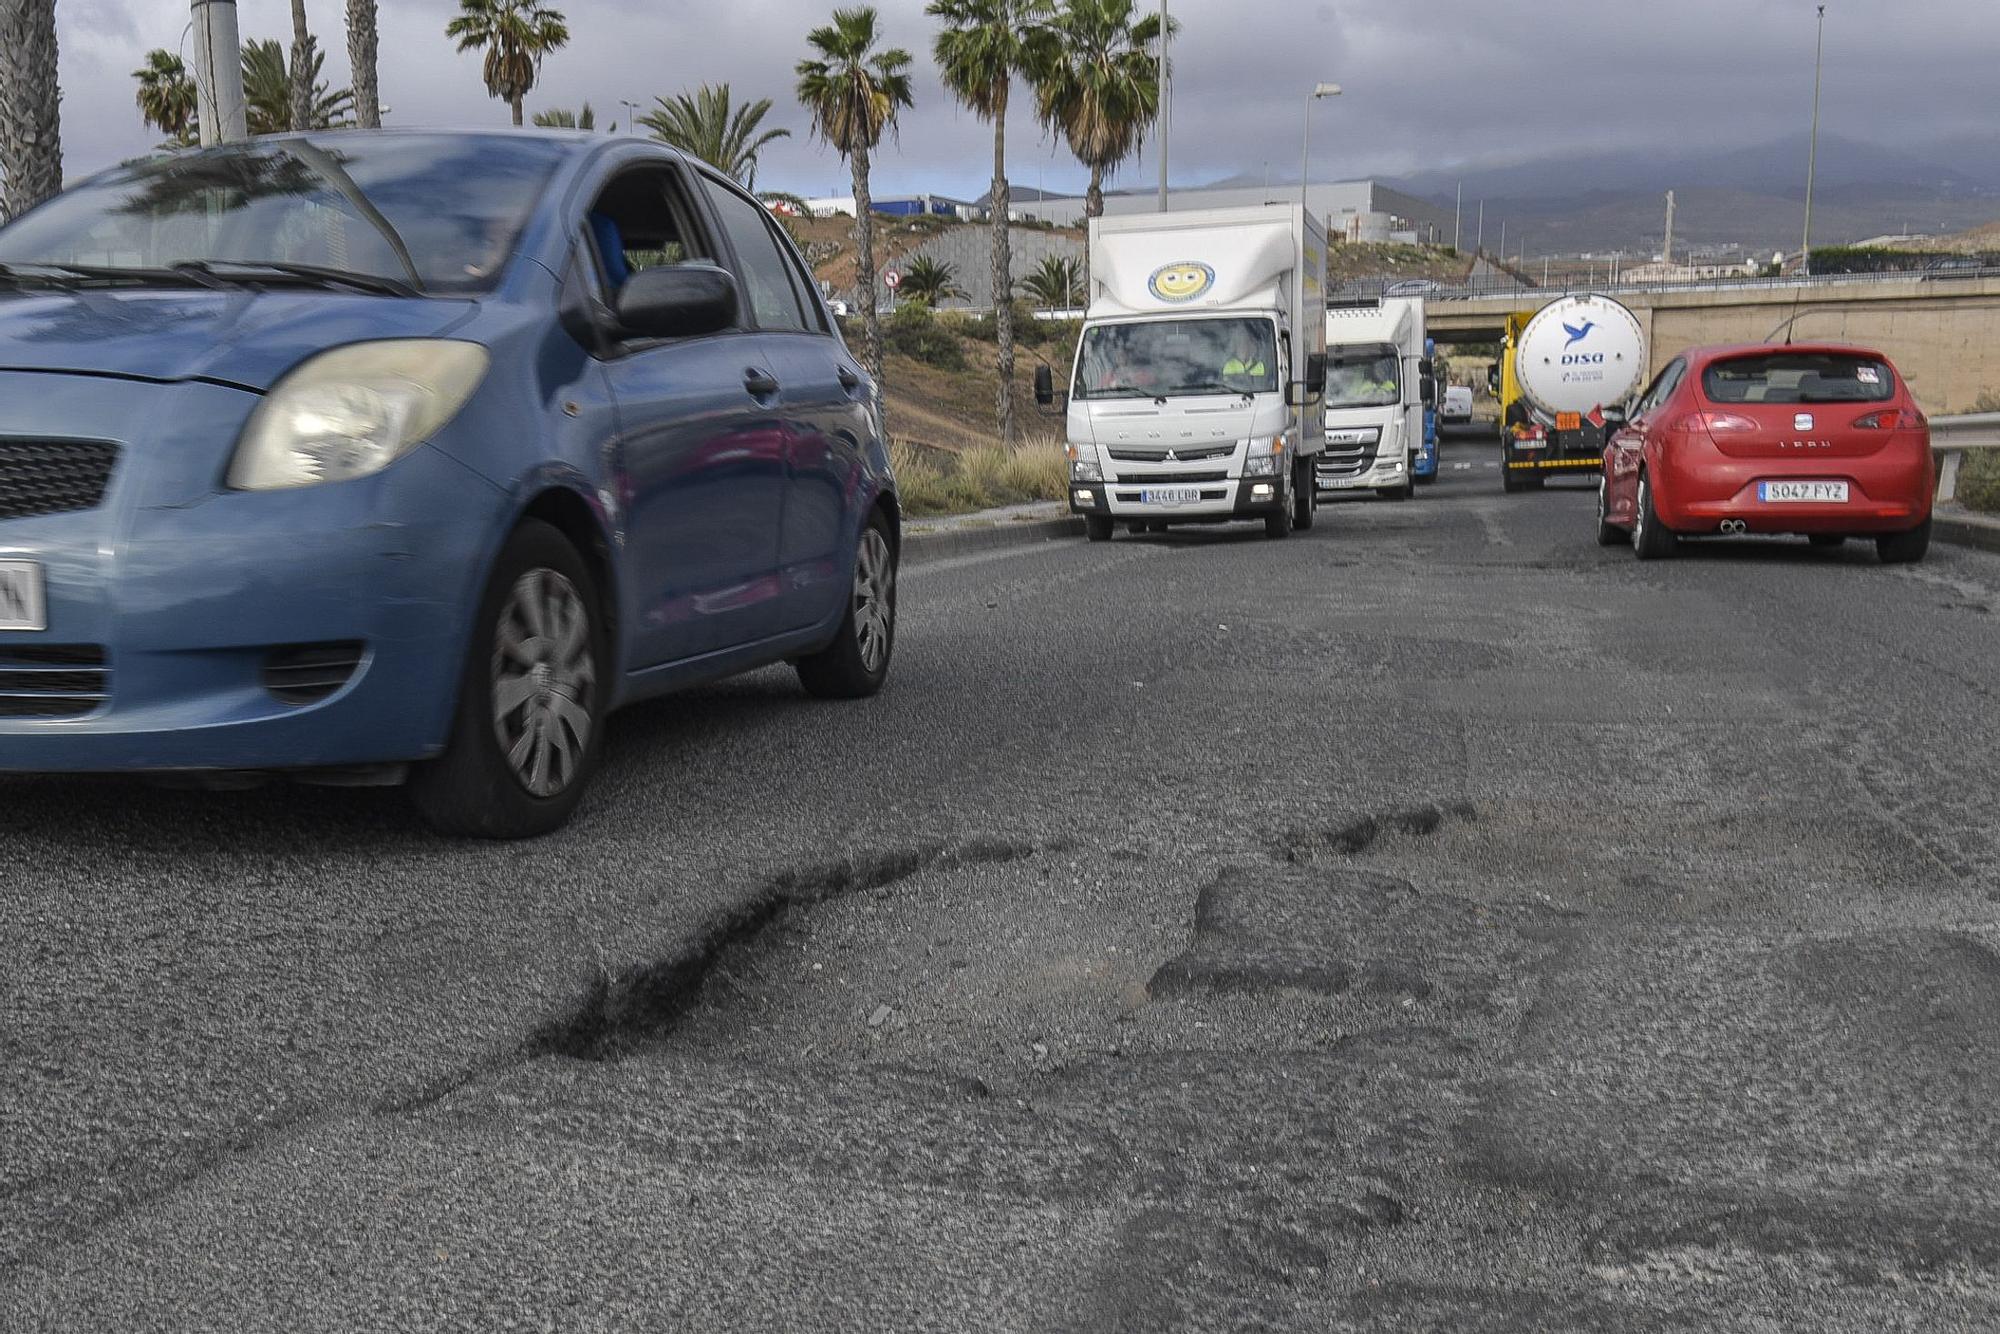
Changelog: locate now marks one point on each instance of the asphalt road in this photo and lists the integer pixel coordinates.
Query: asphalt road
(1434, 921)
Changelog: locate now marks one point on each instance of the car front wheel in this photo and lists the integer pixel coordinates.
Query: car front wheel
(525, 736)
(856, 663)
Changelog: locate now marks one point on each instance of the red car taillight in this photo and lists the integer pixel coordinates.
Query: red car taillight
(1892, 419)
(1715, 423)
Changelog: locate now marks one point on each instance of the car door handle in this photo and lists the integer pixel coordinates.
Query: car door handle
(848, 379)
(759, 384)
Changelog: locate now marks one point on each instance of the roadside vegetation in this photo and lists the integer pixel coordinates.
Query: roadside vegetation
(934, 482)
(1979, 475)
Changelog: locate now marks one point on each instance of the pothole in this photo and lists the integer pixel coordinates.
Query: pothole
(647, 1001)
(1357, 835)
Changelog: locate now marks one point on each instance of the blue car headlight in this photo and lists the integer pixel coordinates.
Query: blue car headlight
(354, 410)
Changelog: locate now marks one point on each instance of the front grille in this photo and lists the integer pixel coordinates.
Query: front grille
(309, 673)
(1340, 462)
(1126, 477)
(53, 476)
(53, 680)
(1190, 455)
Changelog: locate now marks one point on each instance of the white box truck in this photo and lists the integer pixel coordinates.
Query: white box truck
(1377, 382)
(1194, 396)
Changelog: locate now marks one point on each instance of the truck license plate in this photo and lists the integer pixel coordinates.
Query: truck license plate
(1808, 493)
(21, 604)
(1170, 495)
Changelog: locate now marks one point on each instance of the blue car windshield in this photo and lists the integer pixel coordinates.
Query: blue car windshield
(437, 212)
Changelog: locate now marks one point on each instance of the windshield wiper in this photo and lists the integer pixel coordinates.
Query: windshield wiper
(1122, 391)
(223, 272)
(1213, 387)
(69, 276)
(335, 175)
(20, 277)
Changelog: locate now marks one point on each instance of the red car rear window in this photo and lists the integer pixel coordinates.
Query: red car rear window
(1799, 377)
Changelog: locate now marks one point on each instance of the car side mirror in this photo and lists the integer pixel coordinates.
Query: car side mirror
(1045, 386)
(678, 301)
(1614, 416)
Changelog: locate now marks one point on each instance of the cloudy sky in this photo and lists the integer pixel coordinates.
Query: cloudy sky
(1429, 83)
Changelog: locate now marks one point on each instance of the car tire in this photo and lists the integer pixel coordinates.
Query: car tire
(856, 663)
(1650, 538)
(1305, 496)
(1905, 548)
(1826, 539)
(480, 787)
(1097, 527)
(1403, 492)
(1609, 534)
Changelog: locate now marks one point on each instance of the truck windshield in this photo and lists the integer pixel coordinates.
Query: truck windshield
(1168, 358)
(1364, 375)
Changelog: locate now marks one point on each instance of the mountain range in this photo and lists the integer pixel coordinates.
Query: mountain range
(1750, 197)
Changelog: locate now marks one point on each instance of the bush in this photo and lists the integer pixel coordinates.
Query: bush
(916, 333)
(934, 481)
(1979, 480)
(1029, 331)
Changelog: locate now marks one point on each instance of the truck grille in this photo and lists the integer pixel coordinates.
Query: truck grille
(1193, 454)
(1221, 475)
(53, 680)
(53, 476)
(1340, 462)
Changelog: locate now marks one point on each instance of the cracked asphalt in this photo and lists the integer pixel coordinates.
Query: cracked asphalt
(1433, 922)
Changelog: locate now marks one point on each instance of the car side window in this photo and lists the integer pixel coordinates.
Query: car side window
(773, 297)
(642, 220)
(1662, 386)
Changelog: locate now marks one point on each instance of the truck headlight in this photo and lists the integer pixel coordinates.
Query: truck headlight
(1084, 465)
(354, 410)
(1264, 456)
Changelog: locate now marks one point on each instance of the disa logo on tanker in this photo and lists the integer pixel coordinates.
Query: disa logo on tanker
(1183, 281)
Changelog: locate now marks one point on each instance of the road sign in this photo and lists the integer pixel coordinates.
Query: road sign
(893, 279)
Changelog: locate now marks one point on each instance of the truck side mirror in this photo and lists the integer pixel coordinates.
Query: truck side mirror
(1315, 373)
(1428, 385)
(1493, 378)
(1045, 386)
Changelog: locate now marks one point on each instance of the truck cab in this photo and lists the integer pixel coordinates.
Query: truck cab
(1194, 394)
(1377, 379)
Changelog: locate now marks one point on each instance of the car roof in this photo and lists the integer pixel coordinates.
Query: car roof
(1702, 356)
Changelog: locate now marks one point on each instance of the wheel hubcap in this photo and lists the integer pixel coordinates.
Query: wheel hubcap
(874, 600)
(544, 681)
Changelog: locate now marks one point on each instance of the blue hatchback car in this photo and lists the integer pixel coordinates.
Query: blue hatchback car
(376, 455)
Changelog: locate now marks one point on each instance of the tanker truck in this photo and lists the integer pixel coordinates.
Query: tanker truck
(1559, 367)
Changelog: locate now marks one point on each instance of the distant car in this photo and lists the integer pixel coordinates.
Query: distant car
(383, 454)
(1411, 287)
(839, 307)
(1820, 440)
(1457, 409)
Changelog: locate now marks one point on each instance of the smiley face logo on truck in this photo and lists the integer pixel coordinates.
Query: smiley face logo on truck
(1183, 281)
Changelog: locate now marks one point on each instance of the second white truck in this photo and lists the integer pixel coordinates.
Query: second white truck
(1194, 397)
(1376, 381)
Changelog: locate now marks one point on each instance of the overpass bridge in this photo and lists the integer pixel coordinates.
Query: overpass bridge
(1941, 328)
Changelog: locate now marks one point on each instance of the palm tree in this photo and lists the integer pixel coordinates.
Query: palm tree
(1055, 282)
(302, 70)
(703, 124)
(30, 103)
(562, 118)
(516, 35)
(1102, 86)
(929, 281)
(166, 96)
(984, 44)
(362, 45)
(853, 92)
(267, 90)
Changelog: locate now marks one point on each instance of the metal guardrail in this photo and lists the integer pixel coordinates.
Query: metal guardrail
(1951, 437)
(1571, 285)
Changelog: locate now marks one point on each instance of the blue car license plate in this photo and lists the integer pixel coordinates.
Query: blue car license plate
(21, 604)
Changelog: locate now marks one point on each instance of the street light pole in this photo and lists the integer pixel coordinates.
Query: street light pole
(1457, 216)
(1305, 148)
(1812, 153)
(218, 73)
(631, 115)
(1162, 114)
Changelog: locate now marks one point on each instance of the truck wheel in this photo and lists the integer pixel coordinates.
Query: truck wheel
(1097, 527)
(1279, 524)
(1403, 492)
(1650, 538)
(1510, 481)
(1305, 496)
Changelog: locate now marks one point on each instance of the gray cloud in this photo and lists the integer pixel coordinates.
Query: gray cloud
(1429, 83)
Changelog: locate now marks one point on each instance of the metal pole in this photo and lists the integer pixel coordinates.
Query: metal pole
(1812, 154)
(218, 73)
(1479, 238)
(1163, 106)
(1457, 215)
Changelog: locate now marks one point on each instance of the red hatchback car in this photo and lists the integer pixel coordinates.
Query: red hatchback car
(1817, 439)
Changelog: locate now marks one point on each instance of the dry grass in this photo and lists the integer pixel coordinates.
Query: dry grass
(941, 481)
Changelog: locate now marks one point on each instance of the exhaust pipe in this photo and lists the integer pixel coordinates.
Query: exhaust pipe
(1730, 527)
